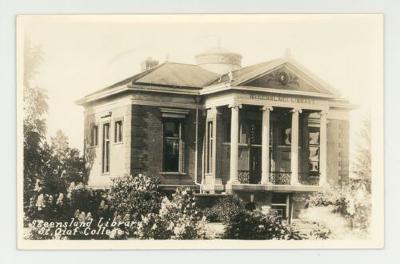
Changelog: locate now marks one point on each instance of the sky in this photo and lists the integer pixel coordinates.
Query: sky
(85, 53)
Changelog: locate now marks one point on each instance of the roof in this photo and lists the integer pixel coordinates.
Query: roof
(248, 75)
(169, 74)
(246, 72)
(178, 76)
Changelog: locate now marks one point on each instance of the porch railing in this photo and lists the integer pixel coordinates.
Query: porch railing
(244, 176)
(279, 177)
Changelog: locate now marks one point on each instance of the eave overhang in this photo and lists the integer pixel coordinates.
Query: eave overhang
(138, 88)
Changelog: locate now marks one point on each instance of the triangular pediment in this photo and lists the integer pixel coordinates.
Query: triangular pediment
(286, 77)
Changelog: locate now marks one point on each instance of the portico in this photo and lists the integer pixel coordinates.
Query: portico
(265, 142)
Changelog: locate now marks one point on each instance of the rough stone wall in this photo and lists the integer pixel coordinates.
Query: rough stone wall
(338, 151)
(119, 151)
(147, 145)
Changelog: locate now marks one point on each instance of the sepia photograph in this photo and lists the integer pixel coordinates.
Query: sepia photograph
(200, 131)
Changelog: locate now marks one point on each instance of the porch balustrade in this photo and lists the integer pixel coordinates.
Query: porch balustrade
(280, 178)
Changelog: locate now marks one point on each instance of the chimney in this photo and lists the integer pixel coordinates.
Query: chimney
(149, 63)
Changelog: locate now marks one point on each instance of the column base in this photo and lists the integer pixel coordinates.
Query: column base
(228, 186)
(265, 182)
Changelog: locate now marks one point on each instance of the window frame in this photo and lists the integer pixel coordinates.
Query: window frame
(117, 134)
(94, 137)
(106, 145)
(181, 145)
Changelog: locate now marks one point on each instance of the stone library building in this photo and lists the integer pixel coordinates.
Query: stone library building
(269, 132)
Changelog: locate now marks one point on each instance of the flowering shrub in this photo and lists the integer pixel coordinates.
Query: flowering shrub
(133, 207)
(135, 195)
(48, 216)
(319, 232)
(178, 218)
(313, 230)
(255, 225)
(224, 209)
(351, 202)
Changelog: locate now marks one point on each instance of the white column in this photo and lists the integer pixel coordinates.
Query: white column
(214, 114)
(323, 148)
(265, 144)
(294, 157)
(234, 143)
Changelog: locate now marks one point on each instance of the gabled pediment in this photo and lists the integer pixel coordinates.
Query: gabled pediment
(286, 77)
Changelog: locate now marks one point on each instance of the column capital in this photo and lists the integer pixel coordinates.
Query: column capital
(267, 108)
(235, 105)
(212, 110)
(296, 110)
(323, 113)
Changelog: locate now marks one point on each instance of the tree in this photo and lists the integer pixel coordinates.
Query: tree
(59, 143)
(34, 121)
(362, 162)
(69, 165)
(55, 165)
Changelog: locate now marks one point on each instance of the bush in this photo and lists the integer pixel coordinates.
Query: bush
(224, 209)
(48, 215)
(319, 232)
(133, 207)
(178, 218)
(254, 225)
(135, 195)
(351, 202)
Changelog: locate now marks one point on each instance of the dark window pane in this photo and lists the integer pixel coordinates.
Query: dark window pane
(255, 133)
(94, 136)
(171, 155)
(171, 128)
(118, 131)
(279, 198)
(106, 148)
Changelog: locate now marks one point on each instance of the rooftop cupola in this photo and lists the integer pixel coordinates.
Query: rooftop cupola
(219, 60)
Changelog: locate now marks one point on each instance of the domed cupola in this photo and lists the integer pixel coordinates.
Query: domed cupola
(219, 60)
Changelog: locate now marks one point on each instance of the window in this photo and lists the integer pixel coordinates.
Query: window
(173, 152)
(280, 204)
(94, 136)
(118, 133)
(106, 148)
(313, 147)
(210, 143)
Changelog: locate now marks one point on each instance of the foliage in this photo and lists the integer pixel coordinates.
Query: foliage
(34, 122)
(178, 218)
(319, 232)
(313, 230)
(255, 225)
(48, 215)
(43, 162)
(362, 164)
(135, 195)
(351, 202)
(224, 209)
(66, 163)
